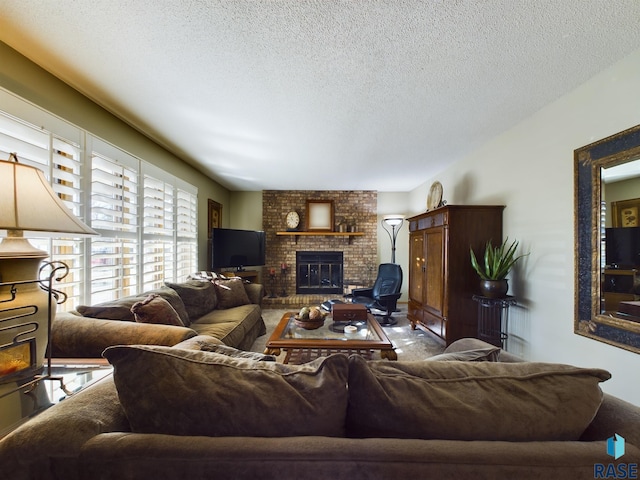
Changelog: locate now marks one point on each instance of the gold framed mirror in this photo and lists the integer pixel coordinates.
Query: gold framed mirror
(607, 275)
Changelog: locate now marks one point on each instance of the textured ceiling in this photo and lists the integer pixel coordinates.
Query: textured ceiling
(322, 94)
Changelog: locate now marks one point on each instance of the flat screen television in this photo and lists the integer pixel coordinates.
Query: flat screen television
(622, 247)
(237, 248)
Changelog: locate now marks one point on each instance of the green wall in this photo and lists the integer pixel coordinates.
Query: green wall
(24, 78)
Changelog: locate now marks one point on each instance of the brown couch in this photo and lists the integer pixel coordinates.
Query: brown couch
(233, 316)
(211, 415)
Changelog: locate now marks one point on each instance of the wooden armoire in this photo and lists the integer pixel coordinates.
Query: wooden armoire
(441, 279)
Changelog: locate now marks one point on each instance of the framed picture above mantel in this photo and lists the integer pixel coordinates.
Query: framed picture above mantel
(320, 216)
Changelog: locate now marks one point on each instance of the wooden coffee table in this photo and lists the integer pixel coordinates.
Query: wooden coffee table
(302, 345)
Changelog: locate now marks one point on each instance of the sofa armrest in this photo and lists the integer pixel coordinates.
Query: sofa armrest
(48, 445)
(615, 416)
(74, 336)
(255, 292)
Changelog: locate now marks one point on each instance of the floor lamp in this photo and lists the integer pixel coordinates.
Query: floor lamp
(28, 203)
(395, 222)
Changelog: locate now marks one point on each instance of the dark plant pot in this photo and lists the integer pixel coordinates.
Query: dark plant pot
(494, 288)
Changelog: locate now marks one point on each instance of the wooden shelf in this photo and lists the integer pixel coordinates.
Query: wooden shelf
(320, 234)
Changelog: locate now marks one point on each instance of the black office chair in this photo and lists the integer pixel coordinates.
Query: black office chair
(384, 294)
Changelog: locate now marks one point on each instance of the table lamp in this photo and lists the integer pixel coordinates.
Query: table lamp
(27, 203)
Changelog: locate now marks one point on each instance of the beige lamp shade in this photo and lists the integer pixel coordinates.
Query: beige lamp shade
(27, 202)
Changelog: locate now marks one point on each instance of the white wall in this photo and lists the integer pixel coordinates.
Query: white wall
(530, 170)
(390, 203)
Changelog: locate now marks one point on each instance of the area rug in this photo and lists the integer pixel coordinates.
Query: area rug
(411, 345)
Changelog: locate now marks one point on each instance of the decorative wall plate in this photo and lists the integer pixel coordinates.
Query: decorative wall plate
(435, 196)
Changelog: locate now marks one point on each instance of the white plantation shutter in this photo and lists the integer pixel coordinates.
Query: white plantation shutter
(114, 214)
(158, 208)
(159, 227)
(187, 231)
(146, 217)
(60, 160)
(65, 168)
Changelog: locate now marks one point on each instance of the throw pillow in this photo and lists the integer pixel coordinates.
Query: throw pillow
(114, 310)
(472, 400)
(233, 352)
(171, 296)
(155, 309)
(199, 297)
(231, 293)
(120, 309)
(489, 354)
(189, 392)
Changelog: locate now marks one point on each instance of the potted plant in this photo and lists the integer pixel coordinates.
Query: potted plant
(498, 262)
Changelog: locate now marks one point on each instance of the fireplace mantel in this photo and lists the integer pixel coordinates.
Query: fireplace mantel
(297, 234)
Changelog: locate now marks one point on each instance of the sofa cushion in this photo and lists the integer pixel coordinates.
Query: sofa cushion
(488, 354)
(230, 325)
(193, 343)
(188, 392)
(198, 297)
(207, 346)
(471, 400)
(231, 293)
(155, 309)
(120, 309)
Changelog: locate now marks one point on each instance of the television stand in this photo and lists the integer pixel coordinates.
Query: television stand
(250, 275)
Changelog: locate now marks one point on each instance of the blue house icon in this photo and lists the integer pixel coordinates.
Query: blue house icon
(615, 446)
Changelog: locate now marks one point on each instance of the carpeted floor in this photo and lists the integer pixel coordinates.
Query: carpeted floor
(410, 344)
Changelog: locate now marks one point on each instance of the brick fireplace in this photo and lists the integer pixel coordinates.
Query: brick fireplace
(354, 208)
(319, 272)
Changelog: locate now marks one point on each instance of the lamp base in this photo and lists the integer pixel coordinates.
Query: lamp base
(24, 311)
(15, 245)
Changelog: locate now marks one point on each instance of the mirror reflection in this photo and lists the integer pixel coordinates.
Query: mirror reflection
(620, 239)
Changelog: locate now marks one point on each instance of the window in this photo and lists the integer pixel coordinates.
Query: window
(146, 217)
(114, 215)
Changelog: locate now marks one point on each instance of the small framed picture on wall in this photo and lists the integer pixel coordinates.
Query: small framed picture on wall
(625, 213)
(214, 216)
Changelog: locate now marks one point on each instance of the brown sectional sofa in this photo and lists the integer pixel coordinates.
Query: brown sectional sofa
(182, 412)
(88, 330)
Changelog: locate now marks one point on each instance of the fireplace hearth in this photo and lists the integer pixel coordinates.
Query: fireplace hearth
(319, 272)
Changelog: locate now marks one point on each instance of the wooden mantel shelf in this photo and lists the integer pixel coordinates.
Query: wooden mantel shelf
(320, 234)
